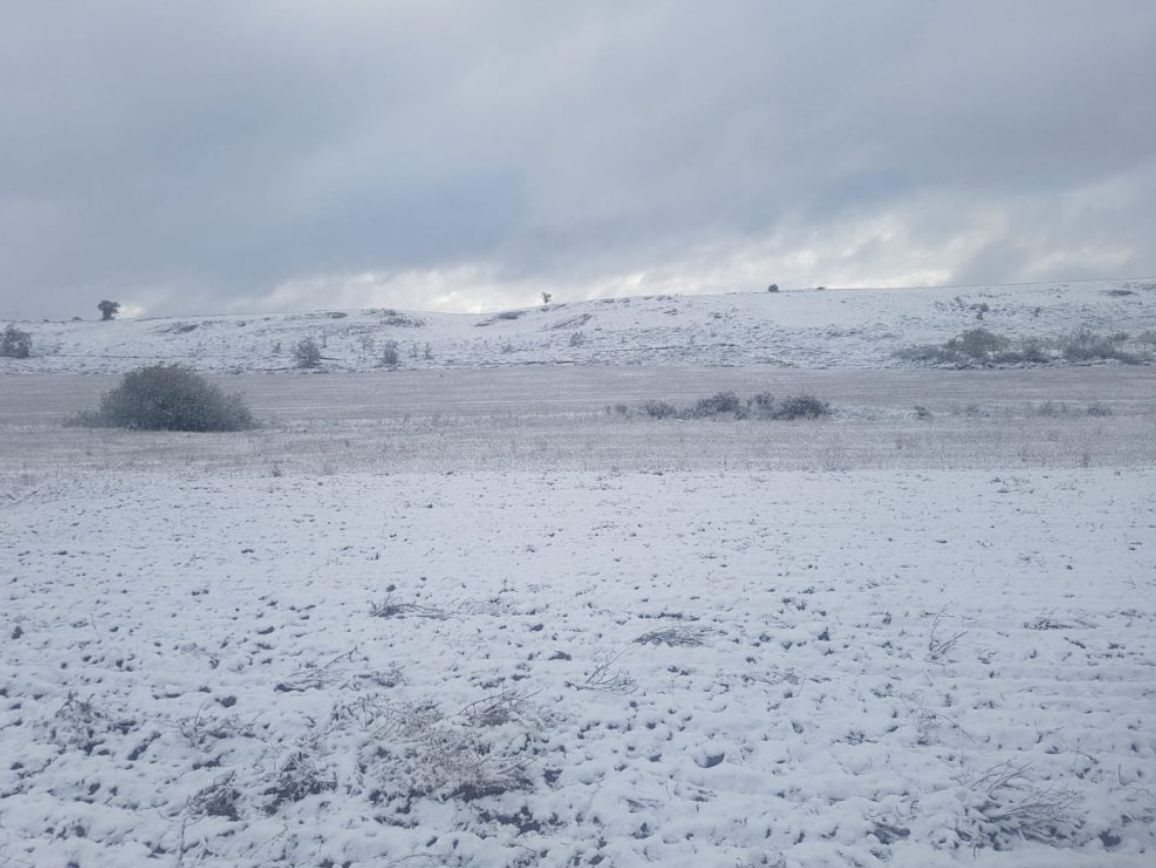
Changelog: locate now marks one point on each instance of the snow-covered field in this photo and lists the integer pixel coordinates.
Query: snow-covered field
(473, 617)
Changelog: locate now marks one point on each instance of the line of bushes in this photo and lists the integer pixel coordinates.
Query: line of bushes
(982, 347)
(762, 406)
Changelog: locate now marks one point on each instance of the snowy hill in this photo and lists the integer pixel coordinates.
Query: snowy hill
(807, 328)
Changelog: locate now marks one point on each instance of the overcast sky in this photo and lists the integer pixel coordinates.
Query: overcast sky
(241, 155)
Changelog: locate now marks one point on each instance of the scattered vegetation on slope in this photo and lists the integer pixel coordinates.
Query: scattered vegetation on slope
(982, 347)
(167, 398)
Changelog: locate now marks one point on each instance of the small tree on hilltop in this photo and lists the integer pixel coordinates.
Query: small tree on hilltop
(15, 343)
(108, 309)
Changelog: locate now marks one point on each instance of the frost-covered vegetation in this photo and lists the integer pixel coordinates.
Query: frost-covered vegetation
(603, 668)
(762, 406)
(15, 343)
(167, 398)
(979, 346)
(806, 328)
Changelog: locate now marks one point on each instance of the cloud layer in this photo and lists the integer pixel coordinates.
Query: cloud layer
(239, 156)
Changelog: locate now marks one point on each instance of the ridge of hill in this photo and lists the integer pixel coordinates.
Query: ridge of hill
(804, 328)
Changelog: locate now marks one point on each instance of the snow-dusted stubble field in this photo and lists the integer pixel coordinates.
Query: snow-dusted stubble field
(427, 629)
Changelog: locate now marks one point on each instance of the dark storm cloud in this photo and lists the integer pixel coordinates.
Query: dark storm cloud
(215, 155)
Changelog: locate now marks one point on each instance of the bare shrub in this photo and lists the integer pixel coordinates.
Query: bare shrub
(1084, 345)
(80, 724)
(1047, 622)
(498, 709)
(764, 406)
(606, 677)
(306, 354)
(220, 799)
(401, 320)
(1003, 807)
(203, 731)
(929, 354)
(939, 645)
(1029, 351)
(975, 346)
(718, 404)
(15, 343)
(298, 776)
(681, 634)
(391, 608)
(978, 343)
(1051, 409)
(761, 406)
(801, 407)
(416, 750)
(167, 398)
(390, 357)
(659, 410)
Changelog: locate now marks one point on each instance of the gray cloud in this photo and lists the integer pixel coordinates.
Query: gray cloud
(223, 155)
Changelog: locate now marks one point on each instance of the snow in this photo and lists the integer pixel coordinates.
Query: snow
(685, 669)
(809, 329)
(468, 616)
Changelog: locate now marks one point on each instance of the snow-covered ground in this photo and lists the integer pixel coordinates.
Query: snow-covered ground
(580, 668)
(808, 328)
(480, 616)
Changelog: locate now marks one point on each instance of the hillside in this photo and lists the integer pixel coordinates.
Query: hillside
(807, 328)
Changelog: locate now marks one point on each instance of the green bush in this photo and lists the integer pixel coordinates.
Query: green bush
(15, 343)
(167, 398)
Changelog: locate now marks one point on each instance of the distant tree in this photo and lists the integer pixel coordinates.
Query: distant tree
(108, 309)
(774, 287)
(546, 296)
(390, 357)
(307, 354)
(15, 343)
